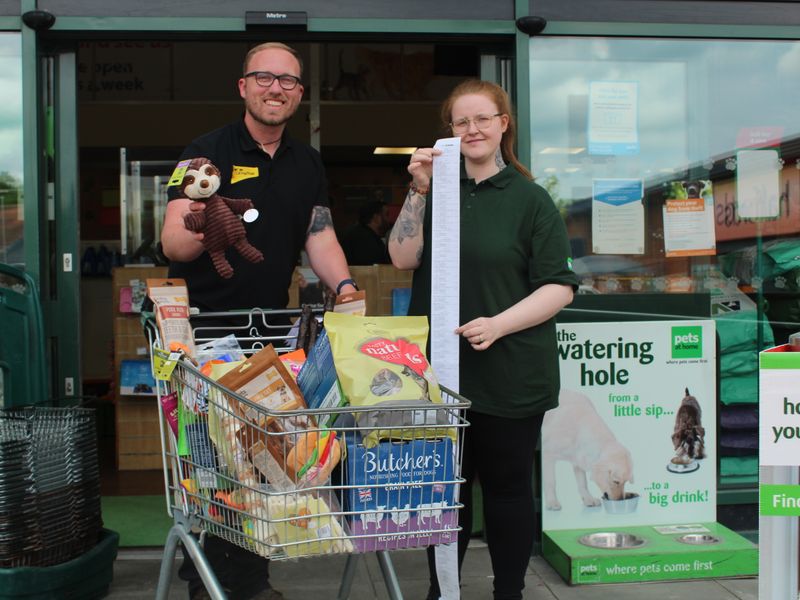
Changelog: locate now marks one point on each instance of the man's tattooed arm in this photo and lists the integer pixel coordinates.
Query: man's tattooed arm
(320, 220)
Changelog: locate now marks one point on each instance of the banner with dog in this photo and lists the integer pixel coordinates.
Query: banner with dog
(633, 440)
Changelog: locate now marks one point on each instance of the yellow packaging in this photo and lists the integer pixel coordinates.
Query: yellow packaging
(381, 361)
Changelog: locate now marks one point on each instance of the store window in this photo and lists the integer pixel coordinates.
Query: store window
(676, 166)
(658, 150)
(11, 214)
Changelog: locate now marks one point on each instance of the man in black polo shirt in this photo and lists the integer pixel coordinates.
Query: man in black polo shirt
(363, 243)
(285, 180)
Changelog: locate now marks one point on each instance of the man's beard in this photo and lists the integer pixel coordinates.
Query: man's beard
(268, 121)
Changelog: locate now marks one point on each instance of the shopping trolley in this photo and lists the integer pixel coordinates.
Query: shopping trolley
(231, 467)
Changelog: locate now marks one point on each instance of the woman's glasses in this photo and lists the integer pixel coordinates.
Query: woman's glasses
(265, 79)
(481, 122)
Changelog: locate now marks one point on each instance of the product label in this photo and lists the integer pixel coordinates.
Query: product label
(398, 352)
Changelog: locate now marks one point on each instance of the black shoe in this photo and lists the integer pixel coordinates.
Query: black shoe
(268, 594)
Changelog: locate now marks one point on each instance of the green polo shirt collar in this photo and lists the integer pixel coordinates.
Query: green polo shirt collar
(499, 180)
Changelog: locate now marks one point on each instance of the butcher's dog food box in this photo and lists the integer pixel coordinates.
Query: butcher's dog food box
(401, 496)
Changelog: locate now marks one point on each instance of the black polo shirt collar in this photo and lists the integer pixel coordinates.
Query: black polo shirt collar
(248, 144)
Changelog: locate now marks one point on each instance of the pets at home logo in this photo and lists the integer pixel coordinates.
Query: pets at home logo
(588, 571)
(687, 342)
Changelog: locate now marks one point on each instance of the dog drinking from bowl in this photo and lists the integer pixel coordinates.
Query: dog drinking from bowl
(688, 436)
(575, 432)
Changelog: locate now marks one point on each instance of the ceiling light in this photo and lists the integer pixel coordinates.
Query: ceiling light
(557, 150)
(394, 150)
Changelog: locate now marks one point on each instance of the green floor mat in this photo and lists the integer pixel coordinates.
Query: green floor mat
(139, 520)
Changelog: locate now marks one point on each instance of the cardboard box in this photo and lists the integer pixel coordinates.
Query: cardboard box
(401, 496)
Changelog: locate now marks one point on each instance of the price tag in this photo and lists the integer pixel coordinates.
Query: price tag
(164, 363)
(178, 173)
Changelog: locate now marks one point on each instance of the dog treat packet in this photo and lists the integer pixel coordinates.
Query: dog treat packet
(264, 380)
(171, 306)
(351, 303)
(381, 361)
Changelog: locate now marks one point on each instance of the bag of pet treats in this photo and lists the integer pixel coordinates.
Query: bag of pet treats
(171, 306)
(381, 361)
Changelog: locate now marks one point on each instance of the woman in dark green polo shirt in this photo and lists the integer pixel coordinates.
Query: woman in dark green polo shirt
(515, 277)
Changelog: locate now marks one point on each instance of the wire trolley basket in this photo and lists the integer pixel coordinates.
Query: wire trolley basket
(239, 471)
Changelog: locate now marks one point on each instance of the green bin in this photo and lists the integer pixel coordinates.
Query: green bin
(23, 380)
(86, 577)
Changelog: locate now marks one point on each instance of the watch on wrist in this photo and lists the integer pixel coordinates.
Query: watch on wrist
(343, 283)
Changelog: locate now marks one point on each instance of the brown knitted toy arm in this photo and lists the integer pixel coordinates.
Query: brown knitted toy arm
(195, 220)
(238, 205)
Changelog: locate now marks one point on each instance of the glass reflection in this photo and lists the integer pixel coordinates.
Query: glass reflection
(11, 217)
(675, 119)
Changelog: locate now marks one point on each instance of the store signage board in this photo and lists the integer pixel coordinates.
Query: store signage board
(276, 17)
(778, 457)
(622, 389)
(779, 408)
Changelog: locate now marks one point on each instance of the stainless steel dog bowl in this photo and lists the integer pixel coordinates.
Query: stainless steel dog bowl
(698, 539)
(611, 540)
(622, 506)
(690, 467)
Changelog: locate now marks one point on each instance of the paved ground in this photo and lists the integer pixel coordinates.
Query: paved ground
(136, 577)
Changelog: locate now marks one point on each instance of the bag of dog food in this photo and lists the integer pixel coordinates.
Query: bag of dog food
(381, 361)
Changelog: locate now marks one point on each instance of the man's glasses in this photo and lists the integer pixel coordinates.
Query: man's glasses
(265, 79)
(481, 122)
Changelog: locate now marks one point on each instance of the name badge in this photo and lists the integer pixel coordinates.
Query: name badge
(242, 173)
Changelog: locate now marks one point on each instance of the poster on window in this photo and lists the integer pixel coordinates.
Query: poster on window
(758, 175)
(633, 440)
(617, 216)
(689, 219)
(613, 118)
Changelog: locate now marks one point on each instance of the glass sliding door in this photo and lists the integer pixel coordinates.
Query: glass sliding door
(11, 175)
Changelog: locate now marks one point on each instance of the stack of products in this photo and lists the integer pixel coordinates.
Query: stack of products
(49, 486)
(738, 382)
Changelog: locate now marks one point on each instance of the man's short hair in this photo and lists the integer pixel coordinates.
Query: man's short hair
(369, 210)
(272, 46)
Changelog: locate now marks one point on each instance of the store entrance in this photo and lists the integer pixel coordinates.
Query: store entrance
(141, 102)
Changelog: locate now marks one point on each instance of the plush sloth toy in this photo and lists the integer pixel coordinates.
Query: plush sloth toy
(218, 222)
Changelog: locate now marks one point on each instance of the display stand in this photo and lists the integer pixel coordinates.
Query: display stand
(644, 509)
(136, 414)
(779, 492)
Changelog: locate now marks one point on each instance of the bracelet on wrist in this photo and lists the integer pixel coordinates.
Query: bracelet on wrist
(418, 190)
(343, 283)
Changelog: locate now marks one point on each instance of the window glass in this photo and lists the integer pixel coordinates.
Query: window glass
(675, 163)
(11, 218)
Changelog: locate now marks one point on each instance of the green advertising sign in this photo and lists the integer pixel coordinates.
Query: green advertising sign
(687, 342)
(779, 500)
